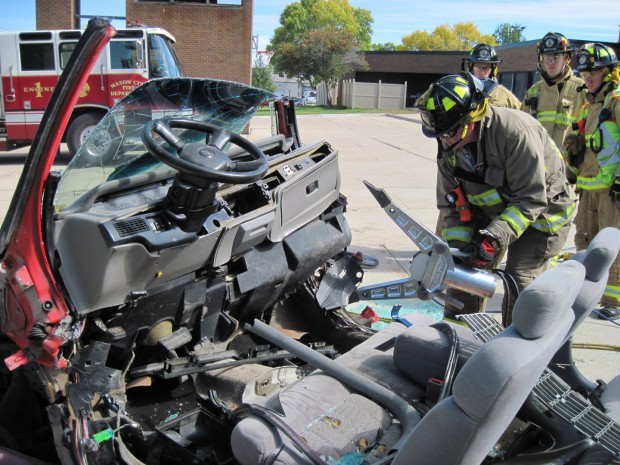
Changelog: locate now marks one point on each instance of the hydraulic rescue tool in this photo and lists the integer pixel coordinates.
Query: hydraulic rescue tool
(432, 269)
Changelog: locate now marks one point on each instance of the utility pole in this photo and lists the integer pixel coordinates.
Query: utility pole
(77, 11)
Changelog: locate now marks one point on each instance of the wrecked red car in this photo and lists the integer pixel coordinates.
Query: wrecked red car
(177, 295)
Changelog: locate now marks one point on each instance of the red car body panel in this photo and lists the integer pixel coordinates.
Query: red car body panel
(33, 295)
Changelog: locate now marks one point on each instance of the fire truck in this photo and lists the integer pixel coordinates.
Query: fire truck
(31, 64)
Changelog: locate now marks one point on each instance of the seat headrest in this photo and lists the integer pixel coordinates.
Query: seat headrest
(599, 255)
(541, 303)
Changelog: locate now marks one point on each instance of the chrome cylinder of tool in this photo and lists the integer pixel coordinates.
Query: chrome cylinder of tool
(475, 282)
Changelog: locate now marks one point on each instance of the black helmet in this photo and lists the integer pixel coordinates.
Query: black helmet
(554, 42)
(483, 53)
(595, 56)
(450, 100)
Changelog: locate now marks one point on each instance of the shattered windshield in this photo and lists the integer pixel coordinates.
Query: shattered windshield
(115, 151)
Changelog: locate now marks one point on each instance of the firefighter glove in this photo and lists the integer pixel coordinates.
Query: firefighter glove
(483, 252)
(575, 146)
(614, 191)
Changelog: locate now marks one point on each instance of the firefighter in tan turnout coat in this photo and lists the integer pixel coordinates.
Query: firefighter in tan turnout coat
(512, 175)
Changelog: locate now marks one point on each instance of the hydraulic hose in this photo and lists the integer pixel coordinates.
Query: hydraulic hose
(587, 345)
(405, 413)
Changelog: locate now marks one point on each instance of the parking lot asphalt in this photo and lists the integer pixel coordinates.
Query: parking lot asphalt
(390, 152)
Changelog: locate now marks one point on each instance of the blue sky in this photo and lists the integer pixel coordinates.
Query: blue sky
(596, 20)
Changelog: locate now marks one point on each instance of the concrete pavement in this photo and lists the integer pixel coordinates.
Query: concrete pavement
(390, 152)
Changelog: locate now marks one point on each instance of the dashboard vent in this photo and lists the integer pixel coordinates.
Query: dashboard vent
(132, 226)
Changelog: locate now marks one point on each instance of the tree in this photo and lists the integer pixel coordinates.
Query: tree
(261, 75)
(320, 40)
(386, 47)
(307, 15)
(506, 34)
(460, 36)
(322, 55)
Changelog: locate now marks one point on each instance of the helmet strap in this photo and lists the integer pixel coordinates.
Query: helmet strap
(451, 146)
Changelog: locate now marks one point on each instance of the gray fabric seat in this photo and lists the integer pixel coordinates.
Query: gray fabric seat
(319, 399)
(336, 422)
(421, 352)
(597, 260)
(493, 384)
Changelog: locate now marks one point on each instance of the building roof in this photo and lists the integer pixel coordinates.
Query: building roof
(515, 58)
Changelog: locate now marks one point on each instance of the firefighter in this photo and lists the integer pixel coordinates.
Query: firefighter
(482, 62)
(593, 153)
(511, 174)
(555, 100)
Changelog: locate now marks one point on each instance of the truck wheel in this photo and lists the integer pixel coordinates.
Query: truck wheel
(99, 148)
(79, 130)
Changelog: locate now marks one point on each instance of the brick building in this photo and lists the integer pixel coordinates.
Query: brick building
(57, 14)
(214, 37)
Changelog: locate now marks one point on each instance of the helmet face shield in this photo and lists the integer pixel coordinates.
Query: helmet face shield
(428, 124)
(430, 127)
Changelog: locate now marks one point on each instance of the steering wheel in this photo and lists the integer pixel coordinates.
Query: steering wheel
(205, 161)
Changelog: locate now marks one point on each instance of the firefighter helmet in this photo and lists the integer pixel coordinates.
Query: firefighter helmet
(554, 42)
(450, 100)
(483, 53)
(595, 56)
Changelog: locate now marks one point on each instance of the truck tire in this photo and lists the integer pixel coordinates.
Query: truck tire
(79, 130)
(98, 149)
